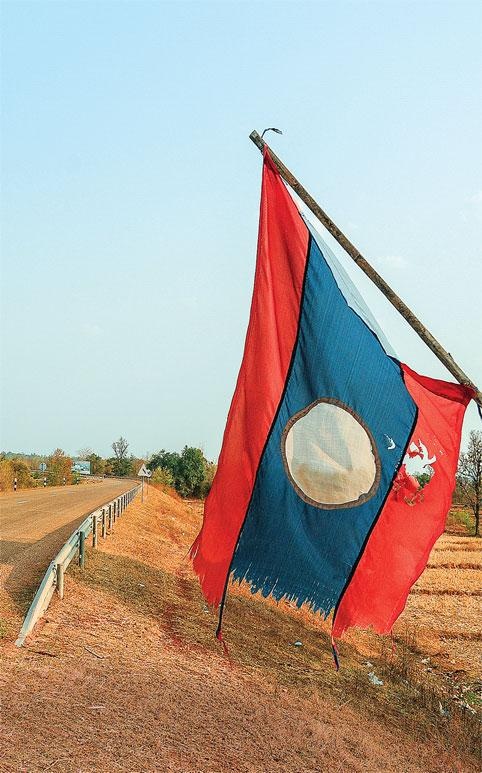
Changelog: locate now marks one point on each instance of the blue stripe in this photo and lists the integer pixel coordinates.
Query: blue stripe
(288, 547)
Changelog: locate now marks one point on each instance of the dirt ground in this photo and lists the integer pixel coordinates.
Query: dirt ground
(124, 674)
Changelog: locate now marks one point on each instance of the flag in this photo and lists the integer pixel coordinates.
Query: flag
(338, 462)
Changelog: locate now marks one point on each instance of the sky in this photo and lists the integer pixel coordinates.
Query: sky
(130, 196)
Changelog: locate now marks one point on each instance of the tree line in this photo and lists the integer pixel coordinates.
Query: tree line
(188, 472)
(191, 474)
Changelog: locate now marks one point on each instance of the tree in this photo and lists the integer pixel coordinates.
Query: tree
(59, 467)
(469, 476)
(120, 448)
(210, 469)
(162, 477)
(191, 473)
(11, 469)
(121, 465)
(97, 464)
(84, 453)
(136, 464)
(108, 467)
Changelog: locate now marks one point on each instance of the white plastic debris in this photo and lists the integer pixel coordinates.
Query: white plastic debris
(298, 644)
(443, 712)
(374, 679)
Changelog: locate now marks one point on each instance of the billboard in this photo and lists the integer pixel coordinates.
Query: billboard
(82, 467)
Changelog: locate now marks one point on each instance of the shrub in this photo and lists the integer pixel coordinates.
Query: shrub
(191, 473)
(162, 477)
(15, 468)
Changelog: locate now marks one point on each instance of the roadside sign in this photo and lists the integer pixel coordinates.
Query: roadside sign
(81, 467)
(144, 473)
(42, 466)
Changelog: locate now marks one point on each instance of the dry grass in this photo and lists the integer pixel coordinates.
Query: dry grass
(457, 580)
(127, 676)
(445, 610)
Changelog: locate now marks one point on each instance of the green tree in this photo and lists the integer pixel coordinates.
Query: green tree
(108, 466)
(469, 476)
(424, 478)
(168, 460)
(162, 477)
(97, 464)
(121, 467)
(210, 469)
(191, 473)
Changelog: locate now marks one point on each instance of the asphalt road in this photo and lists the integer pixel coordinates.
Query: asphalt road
(35, 523)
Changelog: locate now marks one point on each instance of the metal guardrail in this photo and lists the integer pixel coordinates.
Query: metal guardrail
(105, 516)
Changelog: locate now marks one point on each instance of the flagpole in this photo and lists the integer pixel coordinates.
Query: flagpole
(426, 336)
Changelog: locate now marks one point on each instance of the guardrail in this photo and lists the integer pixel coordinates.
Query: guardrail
(105, 516)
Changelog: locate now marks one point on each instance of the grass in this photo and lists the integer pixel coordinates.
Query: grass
(129, 661)
(262, 634)
(4, 628)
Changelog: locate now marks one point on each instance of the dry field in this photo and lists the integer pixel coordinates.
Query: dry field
(124, 674)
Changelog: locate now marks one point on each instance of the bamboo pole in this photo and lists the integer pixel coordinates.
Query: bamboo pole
(355, 254)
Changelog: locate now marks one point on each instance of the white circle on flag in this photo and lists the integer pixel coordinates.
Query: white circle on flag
(330, 456)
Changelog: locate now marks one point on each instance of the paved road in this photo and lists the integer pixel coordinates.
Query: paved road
(34, 524)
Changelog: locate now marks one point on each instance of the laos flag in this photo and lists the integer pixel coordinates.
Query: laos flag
(338, 462)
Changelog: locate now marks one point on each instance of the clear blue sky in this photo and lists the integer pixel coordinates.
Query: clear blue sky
(130, 195)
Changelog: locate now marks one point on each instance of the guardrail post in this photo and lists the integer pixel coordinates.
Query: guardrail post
(81, 549)
(114, 509)
(104, 524)
(110, 517)
(94, 530)
(60, 580)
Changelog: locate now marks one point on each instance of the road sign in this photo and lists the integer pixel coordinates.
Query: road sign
(144, 472)
(42, 466)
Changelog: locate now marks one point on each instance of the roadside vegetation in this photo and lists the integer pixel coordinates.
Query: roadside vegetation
(188, 472)
(469, 478)
(15, 468)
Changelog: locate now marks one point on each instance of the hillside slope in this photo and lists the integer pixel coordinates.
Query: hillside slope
(125, 675)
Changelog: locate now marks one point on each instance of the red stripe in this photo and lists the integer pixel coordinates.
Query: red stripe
(411, 520)
(271, 336)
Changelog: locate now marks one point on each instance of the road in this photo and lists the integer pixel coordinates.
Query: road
(34, 524)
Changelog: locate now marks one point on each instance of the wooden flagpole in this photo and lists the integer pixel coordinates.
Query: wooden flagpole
(355, 254)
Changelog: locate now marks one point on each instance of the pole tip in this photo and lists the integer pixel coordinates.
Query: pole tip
(271, 129)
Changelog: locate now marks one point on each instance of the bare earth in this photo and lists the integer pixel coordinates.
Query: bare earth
(124, 675)
(34, 524)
